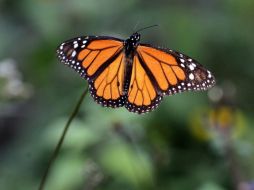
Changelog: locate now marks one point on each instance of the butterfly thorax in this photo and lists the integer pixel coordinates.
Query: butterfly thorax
(131, 43)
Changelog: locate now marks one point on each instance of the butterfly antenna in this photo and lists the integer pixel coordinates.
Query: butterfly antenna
(136, 25)
(155, 25)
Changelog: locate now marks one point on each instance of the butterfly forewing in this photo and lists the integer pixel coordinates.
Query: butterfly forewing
(174, 72)
(87, 54)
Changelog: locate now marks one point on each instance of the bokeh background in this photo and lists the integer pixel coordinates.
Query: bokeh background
(201, 140)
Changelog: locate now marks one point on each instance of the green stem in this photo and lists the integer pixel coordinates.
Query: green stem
(60, 142)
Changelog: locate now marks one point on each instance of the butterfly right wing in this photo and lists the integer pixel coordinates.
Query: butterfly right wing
(158, 72)
(100, 60)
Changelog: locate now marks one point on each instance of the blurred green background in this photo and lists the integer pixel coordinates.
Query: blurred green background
(201, 141)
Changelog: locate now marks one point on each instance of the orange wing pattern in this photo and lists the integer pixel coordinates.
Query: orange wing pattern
(173, 72)
(142, 95)
(89, 55)
(107, 88)
(97, 53)
(100, 61)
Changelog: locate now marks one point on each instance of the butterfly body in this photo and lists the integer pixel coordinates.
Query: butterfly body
(130, 46)
(128, 73)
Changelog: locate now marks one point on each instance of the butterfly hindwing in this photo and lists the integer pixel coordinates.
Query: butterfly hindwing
(142, 94)
(106, 88)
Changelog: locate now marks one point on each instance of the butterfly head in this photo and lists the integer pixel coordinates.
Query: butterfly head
(134, 39)
(132, 42)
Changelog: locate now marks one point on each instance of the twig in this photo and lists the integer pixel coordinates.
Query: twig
(60, 142)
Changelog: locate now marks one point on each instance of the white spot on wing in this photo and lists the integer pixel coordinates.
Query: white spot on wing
(191, 76)
(73, 53)
(191, 67)
(75, 46)
(209, 74)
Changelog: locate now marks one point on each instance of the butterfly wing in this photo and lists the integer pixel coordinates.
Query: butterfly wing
(164, 72)
(142, 95)
(100, 60)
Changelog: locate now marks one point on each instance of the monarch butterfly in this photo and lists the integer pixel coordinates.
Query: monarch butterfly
(131, 74)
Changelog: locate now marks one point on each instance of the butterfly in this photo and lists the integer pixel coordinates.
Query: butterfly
(132, 74)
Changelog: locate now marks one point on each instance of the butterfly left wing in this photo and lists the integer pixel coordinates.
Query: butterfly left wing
(100, 60)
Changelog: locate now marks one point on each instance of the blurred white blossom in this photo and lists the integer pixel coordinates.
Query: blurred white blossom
(11, 84)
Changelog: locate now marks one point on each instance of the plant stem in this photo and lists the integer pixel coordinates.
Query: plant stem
(60, 142)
